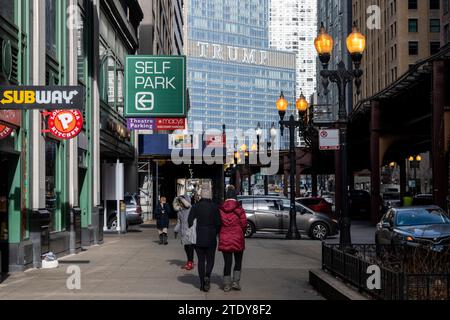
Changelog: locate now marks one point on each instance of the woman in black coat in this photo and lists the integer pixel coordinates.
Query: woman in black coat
(208, 227)
(162, 216)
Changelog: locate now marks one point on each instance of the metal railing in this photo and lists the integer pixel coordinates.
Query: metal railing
(397, 281)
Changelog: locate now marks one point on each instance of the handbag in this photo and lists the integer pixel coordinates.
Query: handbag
(191, 233)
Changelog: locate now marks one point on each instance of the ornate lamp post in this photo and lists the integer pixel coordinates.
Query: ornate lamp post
(244, 150)
(356, 44)
(292, 124)
(414, 163)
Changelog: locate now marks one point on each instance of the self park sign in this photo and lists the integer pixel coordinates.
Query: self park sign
(155, 86)
(41, 97)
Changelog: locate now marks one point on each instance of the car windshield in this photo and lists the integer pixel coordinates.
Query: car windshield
(129, 200)
(415, 217)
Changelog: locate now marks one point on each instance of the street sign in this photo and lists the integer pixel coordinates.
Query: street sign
(141, 124)
(155, 86)
(170, 124)
(329, 139)
(42, 97)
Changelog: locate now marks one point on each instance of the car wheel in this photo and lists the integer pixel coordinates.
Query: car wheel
(250, 230)
(319, 231)
(112, 225)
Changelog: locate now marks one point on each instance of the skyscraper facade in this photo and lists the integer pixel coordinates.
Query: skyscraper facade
(293, 27)
(233, 76)
(337, 19)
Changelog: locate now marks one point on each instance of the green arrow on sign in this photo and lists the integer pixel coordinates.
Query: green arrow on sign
(155, 86)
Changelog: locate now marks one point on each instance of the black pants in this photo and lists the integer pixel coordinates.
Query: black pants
(206, 258)
(189, 252)
(228, 258)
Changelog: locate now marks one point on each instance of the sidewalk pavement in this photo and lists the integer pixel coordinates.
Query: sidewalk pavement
(135, 266)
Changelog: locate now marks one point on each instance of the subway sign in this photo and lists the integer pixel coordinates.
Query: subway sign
(42, 97)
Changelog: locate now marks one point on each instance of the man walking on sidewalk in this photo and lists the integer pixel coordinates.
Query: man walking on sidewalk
(162, 215)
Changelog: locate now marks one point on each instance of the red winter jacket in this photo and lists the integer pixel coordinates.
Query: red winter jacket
(234, 223)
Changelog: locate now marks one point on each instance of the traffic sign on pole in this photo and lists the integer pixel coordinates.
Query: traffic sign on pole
(155, 86)
(329, 139)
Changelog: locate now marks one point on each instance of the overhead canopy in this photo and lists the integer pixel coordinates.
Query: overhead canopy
(406, 116)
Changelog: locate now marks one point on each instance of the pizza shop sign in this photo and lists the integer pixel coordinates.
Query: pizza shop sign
(65, 124)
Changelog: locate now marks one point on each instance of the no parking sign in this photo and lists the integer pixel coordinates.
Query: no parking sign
(329, 139)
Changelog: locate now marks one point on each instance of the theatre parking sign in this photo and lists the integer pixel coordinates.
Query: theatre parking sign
(155, 86)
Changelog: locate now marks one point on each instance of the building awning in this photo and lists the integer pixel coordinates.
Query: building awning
(405, 111)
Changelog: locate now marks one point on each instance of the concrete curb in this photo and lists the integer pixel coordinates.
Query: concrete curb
(332, 288)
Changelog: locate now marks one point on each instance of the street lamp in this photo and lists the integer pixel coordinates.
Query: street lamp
(414, 163)
(356, 44)
(292, 124)
(245, 152)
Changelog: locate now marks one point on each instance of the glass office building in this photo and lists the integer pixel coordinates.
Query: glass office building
(233, 76)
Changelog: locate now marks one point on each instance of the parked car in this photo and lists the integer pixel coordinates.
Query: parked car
(423, 200)
(359, 204)
(391, 200)
(317, 204)
(414, 226)
(271, 214)
(133, 212)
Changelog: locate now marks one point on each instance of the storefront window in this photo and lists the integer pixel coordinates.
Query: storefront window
(50, 180)
(50, 16)
(7, 9)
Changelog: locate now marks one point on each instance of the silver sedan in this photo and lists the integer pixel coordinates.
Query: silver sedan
(271, 214)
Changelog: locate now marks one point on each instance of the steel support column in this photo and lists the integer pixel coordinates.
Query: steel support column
(375, 161)
(438, 135)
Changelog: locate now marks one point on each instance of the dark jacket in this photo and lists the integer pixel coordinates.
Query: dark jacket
(208, 222)
(234, 223)
(162, 214)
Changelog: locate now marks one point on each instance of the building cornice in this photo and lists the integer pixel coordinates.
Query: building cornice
(119, 18)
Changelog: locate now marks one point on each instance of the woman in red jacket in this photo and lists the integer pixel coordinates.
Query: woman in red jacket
(231, 239)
